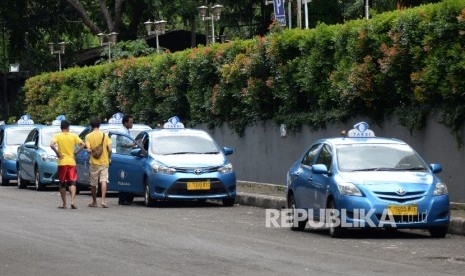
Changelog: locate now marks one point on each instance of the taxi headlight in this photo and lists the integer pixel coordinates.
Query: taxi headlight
(163, 169)
(226, 169)
(49, 158)
(441, 189)
(346, 188)
(8, 155)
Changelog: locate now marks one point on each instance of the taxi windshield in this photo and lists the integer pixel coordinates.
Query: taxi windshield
(184, 144)
(16, 136)
(378, 157)
(48, 133)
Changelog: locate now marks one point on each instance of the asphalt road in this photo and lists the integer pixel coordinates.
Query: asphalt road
(36, 238)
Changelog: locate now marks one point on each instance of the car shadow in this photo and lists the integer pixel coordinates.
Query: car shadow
(374, 233)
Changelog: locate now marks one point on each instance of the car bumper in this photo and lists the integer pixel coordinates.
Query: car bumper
(175, 186)
(49, 173)
(433, 211)
(9, 169)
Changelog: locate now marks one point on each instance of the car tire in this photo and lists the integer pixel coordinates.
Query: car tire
(38, 185)
(292, 206)
(335, 231)
(438, 232)
(3, 181)
(21, 182)
(148, 201)
(229, 202)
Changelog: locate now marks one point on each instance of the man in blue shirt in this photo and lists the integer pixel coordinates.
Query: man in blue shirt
(123, 144)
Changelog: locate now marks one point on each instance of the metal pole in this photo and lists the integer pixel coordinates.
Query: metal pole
(5, 76)
(289, 13)
(109, 51)
(213, 29)
(299, 14)
(158, 46)
(59, 59)
(367, 8)
(306, 14)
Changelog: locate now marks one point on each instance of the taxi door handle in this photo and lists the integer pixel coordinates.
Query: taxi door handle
(310, 179)
(296, 173)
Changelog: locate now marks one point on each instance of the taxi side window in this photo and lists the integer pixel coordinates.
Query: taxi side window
(1, 137)
(310, 155)
(325, 157)
(30, 136)
(84, 134)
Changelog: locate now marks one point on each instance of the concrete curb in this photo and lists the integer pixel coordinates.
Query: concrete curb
(456, 226)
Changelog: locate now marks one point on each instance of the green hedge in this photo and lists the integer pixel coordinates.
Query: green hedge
(409, 63)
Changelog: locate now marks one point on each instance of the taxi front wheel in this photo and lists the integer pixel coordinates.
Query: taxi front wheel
(438, 232)
(148, 201)
(3, 181)
(229, 202)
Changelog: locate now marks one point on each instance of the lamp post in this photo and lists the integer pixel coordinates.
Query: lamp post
(111, 41)
(59, 52)
(216, 12)
(159, 29)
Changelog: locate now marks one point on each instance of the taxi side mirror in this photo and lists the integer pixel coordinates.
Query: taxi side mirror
(319, 169)
(228, 151)
(436, 168)
(137, 152)
(30, 145)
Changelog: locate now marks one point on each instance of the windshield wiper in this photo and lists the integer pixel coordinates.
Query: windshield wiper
(376, 169)
(211, 152)
(415, 169)
(181, 152)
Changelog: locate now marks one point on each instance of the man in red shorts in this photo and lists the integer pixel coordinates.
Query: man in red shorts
(66, 142)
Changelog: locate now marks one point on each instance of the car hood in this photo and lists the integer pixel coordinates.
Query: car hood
(387, 181)
(192, 160)
(48, 150)
(13, 149)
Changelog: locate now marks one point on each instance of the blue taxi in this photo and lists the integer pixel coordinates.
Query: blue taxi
(174, 163)
(37, 163)
(361, 181)
(11, 137)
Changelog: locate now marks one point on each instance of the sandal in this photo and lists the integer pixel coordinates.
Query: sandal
(61, 207)
(73, 206)
(104, 205)
(92, 205)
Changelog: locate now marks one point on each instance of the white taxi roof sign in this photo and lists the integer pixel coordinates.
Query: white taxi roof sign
(25, 120)
(117, 118)
(58, 119)
(361, 130)
(173, 123)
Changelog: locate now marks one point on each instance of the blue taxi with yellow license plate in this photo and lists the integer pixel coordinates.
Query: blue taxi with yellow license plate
(360, 181)
(37, 164)
(174, 163)
(11, 137)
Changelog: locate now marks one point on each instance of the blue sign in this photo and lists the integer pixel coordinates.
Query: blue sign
(279, 12)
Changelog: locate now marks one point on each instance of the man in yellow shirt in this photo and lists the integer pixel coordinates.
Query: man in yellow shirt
(98, 166)
(66, 142)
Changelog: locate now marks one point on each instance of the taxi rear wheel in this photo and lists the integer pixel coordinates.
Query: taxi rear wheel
(335, 229)
(300, 225)
(21, 182)
(148, 201)
(3, 181)
(39, 186)
(438, 232)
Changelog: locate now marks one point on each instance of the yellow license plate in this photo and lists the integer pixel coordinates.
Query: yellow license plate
(403, 210)
(198, 185)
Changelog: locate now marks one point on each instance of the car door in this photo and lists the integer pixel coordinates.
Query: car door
(126, 170)
(82, 162)
(303, 194)
(26, 155)
(320, 182)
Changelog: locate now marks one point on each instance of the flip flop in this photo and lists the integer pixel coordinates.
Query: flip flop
(73, 206)
(104, 205)
(92, 205)
(61, 207)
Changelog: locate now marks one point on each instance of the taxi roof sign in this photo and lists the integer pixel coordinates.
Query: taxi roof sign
(173, 122)
(58, 119)
(361, 130)
(25, 120)
(117, 118)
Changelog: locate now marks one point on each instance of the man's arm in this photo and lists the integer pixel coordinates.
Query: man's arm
(81, 146)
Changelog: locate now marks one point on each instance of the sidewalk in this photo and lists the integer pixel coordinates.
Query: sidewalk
(274, 197)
